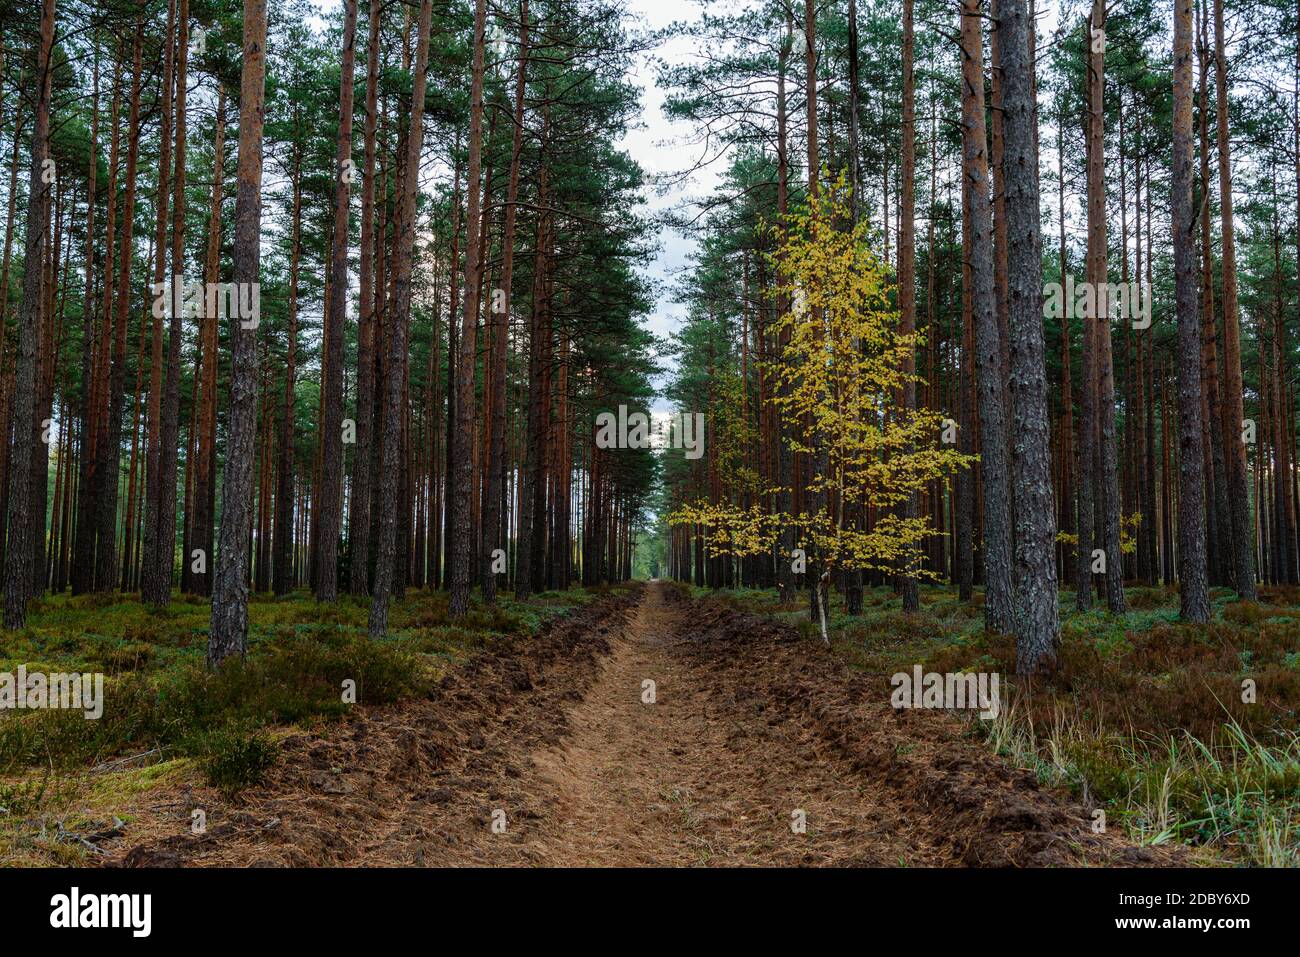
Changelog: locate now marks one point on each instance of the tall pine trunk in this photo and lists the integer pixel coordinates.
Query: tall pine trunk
(1034, 574)
(1105, 467)
(19, 553)
(999, 613)
(1191, 488)
(106, 557)
(229, 632)
(1243, 547)
(330, 508)
(907, 274)
(81, 568)
(359, 508)
(205, 477)
(282, 578)
(163, 306)
(496, 468)
(462, 478)
(165, 547)
(386, 554)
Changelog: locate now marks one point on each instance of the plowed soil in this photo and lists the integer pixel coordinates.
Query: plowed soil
(756, 748)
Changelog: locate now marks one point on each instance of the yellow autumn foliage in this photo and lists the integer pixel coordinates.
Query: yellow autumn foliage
(839, 381)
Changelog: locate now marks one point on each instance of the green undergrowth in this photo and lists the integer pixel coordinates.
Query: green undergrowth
(163, 707)
(1144, 718)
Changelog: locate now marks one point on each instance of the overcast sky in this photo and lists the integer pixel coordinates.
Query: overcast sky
(656, 146)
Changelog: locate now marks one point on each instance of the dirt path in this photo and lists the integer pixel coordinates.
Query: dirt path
(693, 778)
(757, 749)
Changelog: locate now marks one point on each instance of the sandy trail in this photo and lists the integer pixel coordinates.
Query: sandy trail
(758, 749)
(696, 777)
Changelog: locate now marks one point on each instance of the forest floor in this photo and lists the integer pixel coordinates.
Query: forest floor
(1180, 734)
(70, 787)
(755, 747)
(654, 724)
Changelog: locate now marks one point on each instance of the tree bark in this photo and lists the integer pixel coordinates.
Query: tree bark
(532, 530)
(19, 552)
(462, 479)
(165, 547)
(161, 290)
(1106, 471)
(205, 479)
(964, 493)
(1037, 625)
(999, 613)
(282, 578)
(330, 511)
(359, 510)
(1066, 451)
(393, 386)
(106, 558)
(81, 571)
(907, 270)
(1191, 488)
(229, 631)
(496, 467)
(1243, 554)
